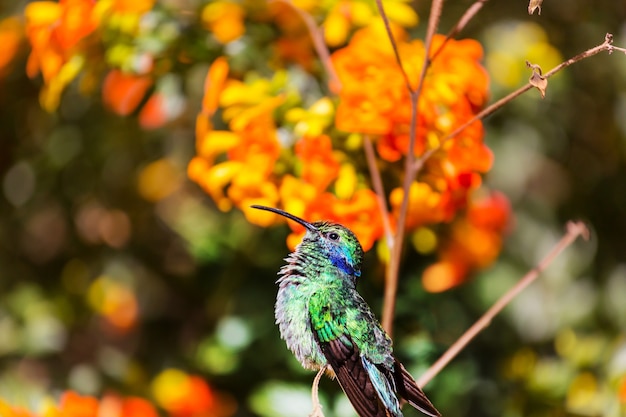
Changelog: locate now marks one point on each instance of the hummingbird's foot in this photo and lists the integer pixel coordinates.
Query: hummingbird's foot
(317, 407)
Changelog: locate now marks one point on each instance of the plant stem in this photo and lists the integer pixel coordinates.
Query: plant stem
(574, 230)
(393, 267)
(605, 46)
(317, 36)
(463, 21)
(377, 183)
(394, 45)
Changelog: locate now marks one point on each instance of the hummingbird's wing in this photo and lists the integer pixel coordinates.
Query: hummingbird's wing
(328, 322)
(354, 378)
(371, 386)
(409, 390)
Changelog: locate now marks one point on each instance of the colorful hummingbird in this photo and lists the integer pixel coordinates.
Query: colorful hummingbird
(326, 323)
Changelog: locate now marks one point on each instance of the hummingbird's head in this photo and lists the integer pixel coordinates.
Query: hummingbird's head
(333, 241)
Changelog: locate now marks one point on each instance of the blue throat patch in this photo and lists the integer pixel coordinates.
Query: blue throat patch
(340, 262)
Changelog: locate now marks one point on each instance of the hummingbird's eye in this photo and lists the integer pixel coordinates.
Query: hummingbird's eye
(333, 236)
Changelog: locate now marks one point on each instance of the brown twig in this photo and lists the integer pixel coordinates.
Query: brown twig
(394, 45)
(317, 36)
(604, 46)
(574, 230)
(393, 267)
(460, 25)
(377, 183)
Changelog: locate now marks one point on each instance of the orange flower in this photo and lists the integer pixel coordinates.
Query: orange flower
(183, 395)
(11, 34)
(163, 106)
(250, 148)
(115, 406)
(443, 275)
(154, 113)
(76, 22)
(213, 85)
(394, 145)
(258, 148)
(296, 195)
(122, 92)
(250, 187)
(621, 393)
(373, 89)
(319, 165)
(72, 404)
(475, 242)
(133, 6)
(54, 31)
(252, 154)
(425, 205)
(374, 98)
(362, 215)
(491, 213)
(224, 19)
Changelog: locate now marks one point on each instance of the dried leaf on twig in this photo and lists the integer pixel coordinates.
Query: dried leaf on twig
(534, 5)
(537, 79)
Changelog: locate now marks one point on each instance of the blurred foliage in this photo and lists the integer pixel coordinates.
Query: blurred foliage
(121, 279)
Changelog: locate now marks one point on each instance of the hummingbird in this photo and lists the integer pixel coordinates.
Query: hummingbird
(327, 324)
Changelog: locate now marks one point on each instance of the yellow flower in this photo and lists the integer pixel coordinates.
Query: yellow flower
(348, 14)
(296, 195)
(225, 20)
(425, 205)
(250, 187)
(183, 395)
(314, 120)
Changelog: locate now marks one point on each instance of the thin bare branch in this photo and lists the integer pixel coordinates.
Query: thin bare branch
(433, 23)
(604, 46)
(534, 5)
(394, 45)
(317, 36)
(460, 25)
(607, 45)
(377, 183)
(617, 48)
(393, 267)
(574, 230)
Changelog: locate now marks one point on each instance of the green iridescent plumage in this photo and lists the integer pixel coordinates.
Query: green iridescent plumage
(326, 322)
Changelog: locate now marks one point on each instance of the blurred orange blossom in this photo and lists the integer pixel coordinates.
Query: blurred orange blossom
(55, 31)
(11, 35)
(475, 241)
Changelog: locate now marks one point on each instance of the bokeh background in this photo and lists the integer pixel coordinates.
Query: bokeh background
(119, 275)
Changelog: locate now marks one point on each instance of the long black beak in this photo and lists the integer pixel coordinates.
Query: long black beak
(304, 223)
